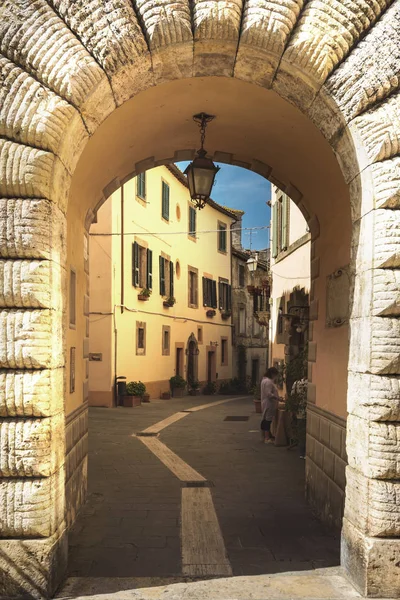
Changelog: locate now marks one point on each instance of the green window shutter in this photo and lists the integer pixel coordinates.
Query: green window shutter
(213, 294)
(229, 298)
(285, 223)
(165, 201)
(149, 269)
(141, 185)
(162, 276)
(275, 230)
(205, 296)
(192, 221)
(220, 295)
(171, 279)
(135, 264)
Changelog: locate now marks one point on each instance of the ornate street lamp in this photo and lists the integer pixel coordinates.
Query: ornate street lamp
(202, 171)
(252, 263)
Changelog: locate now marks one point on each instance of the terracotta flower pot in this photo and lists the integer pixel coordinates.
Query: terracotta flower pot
(178, 392)
(130, 401)
(257, 405)
(165, 395)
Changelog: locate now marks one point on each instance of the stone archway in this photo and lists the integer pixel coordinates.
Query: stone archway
(69, 74)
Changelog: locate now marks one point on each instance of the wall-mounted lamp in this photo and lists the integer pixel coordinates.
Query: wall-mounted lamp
(252, 263)
(202, 171)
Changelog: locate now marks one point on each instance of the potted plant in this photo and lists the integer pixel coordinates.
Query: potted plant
(178, 385)
(144, 294)
(210, 388)
(194, 389)
(210, 313)
(226, 314)
(257, 398)
(169, 302)
(134, 393)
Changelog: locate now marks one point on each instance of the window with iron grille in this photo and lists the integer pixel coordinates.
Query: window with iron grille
(165, 201)
(141, 185)
(209, 292)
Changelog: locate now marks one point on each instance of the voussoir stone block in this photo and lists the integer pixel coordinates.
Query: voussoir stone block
(373, 564)
(31, 507)
(33, 568)
(374, 397)
(30, 339)
(30, 284)
(375, 345)
(374, 447)
(372, 505)
(32, 229)
(31, 393)
(376, 240)
(31, 447)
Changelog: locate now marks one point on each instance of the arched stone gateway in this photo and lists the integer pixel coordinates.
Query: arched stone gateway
(306, 94)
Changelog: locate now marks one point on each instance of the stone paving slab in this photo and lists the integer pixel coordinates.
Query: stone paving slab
(323, 584)
(130, 526)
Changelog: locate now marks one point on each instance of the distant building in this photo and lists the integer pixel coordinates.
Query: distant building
(250, 302)
(290, 272)
(160, 289)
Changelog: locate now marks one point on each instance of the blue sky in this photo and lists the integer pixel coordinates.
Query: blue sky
(238, 188)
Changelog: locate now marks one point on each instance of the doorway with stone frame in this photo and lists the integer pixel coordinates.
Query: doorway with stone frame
(293, 101)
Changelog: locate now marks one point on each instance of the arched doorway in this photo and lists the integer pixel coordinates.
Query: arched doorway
(290, 104)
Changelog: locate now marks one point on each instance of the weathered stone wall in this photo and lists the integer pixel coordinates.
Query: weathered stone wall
(326, 464)
(64, 68)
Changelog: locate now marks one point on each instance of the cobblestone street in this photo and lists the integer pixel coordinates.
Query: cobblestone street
(130, 526)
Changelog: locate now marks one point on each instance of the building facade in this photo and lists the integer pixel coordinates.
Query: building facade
(290, 273)
(250, 302)
(160, 288)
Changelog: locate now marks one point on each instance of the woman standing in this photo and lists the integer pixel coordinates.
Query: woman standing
(269, 403)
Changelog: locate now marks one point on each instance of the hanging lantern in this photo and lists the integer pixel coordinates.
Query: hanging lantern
(202, 171)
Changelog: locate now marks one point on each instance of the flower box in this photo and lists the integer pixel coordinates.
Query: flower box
(210, 313)
(226, 314)
(131, 401)
(143, 297)
(165, 395)
(178, 392)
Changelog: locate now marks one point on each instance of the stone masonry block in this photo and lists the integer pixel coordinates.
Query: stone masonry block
(374, 397)
(31, 447)
(32, 229)
(311, 393)
(312, 351)
(30, 284)
(31, 507)
(375, 345)
(329, 463)
(376, 240)
(374, 448)
(44, 564)
(339, 475)
(75, 491)
(31, 393)
(30, 339)
(372, 563)
(324, 432)
(372, 505)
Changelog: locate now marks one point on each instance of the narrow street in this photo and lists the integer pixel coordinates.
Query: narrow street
(132, 525)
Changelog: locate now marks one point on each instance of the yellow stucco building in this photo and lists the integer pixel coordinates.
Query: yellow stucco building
(160, 288)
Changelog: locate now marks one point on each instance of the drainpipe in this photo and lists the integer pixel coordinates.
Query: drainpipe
(122, 250)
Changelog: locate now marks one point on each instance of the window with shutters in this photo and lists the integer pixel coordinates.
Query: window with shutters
(193, 286)
(280, 225)
(166, 270)
(241, 276)
(165, 201)
(142, 267)
(225, 295)
(209, 292)
(192, 222)
(141, 186)
(166, 340)
(222, 237)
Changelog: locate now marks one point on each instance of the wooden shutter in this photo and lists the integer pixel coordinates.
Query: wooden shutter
(135, 264)
(171, 279)
(141, 185)
(221, 295)
(192, 221)
(165, 201)
(275, 230)
(229, 298)
(149, 283)
(255, 302)
(162, 276)
(285, 223)
(213, 293)
(205, 281)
